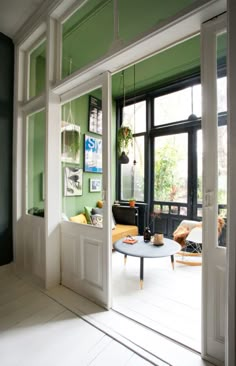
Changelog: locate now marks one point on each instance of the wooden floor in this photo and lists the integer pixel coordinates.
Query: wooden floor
(170, 301)
(60, 327)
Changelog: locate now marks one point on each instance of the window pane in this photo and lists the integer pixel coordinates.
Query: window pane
(134, 116)
(83, 38)
(138, 16)
(197, 100)
(171, 168)
(81, 156)
(222, 94)
(221, 44)
(35, 163)
(222, 165)
(199, 167)
(37, 70)
(173, 107)
(222, 139)
(132, 174)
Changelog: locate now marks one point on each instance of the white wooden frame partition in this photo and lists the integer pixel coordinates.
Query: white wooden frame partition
(121, 55)
(214, 256)
(230, 358)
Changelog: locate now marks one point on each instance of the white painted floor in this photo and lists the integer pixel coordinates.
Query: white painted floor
(59, 327)
(35, 330)
(170, 301)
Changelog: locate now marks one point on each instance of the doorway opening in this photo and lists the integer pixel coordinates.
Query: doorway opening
(162, 104)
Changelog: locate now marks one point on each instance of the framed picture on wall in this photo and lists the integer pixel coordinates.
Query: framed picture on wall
(73, 181)
(95, 185)
(95, 115)
(92, 154)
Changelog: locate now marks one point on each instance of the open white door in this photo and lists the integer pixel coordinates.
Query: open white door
(86, 248)
(213, 51)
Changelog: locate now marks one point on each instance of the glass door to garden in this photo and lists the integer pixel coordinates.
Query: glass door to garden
(171, 177)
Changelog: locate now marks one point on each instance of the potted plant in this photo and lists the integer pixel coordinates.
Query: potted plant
(124, 138)
(132, 202)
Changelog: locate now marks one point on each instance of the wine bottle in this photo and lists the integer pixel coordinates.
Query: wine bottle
(147, 234)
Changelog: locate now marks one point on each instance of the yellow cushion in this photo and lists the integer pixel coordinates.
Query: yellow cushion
(80, 219)
(121, 231)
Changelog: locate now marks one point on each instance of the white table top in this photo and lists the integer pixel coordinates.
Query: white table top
(147, 250)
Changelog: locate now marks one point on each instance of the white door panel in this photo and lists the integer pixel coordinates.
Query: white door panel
(214, 256)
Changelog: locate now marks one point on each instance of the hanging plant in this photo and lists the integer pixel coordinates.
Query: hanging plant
(75, 143)
(124, 139)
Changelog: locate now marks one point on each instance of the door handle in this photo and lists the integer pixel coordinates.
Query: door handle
(208, 199)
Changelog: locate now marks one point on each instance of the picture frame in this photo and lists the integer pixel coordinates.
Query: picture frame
(95, 115)
(92, 154)
(70, 142)
(95, 185)
(73, 181)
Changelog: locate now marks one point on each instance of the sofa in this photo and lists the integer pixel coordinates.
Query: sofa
(124, 220)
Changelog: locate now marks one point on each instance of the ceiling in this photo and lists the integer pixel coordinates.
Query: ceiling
(14, 13)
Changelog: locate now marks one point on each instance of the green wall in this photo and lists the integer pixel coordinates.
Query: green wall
(6, 132)
(163, 67)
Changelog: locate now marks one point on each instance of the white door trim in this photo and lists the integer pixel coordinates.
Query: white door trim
(230, 357)
(214, 256)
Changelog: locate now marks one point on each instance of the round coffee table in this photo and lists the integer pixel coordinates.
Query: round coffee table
(147, 250)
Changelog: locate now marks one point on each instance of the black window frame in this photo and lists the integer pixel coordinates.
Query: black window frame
(189, 126)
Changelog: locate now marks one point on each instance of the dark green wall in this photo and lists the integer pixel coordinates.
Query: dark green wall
(6, 130)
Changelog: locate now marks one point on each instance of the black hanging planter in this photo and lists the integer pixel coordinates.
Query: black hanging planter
(123, 159)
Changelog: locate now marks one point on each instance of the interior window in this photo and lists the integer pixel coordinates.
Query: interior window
(37, 71)
(35, 164)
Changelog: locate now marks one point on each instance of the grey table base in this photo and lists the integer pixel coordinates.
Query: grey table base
(147, 250)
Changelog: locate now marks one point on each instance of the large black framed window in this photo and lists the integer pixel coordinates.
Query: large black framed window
(166, 173)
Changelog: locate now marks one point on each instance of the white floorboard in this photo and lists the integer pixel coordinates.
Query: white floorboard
(154, 347)
(170, 301)
(36, 330)
(59, 327)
